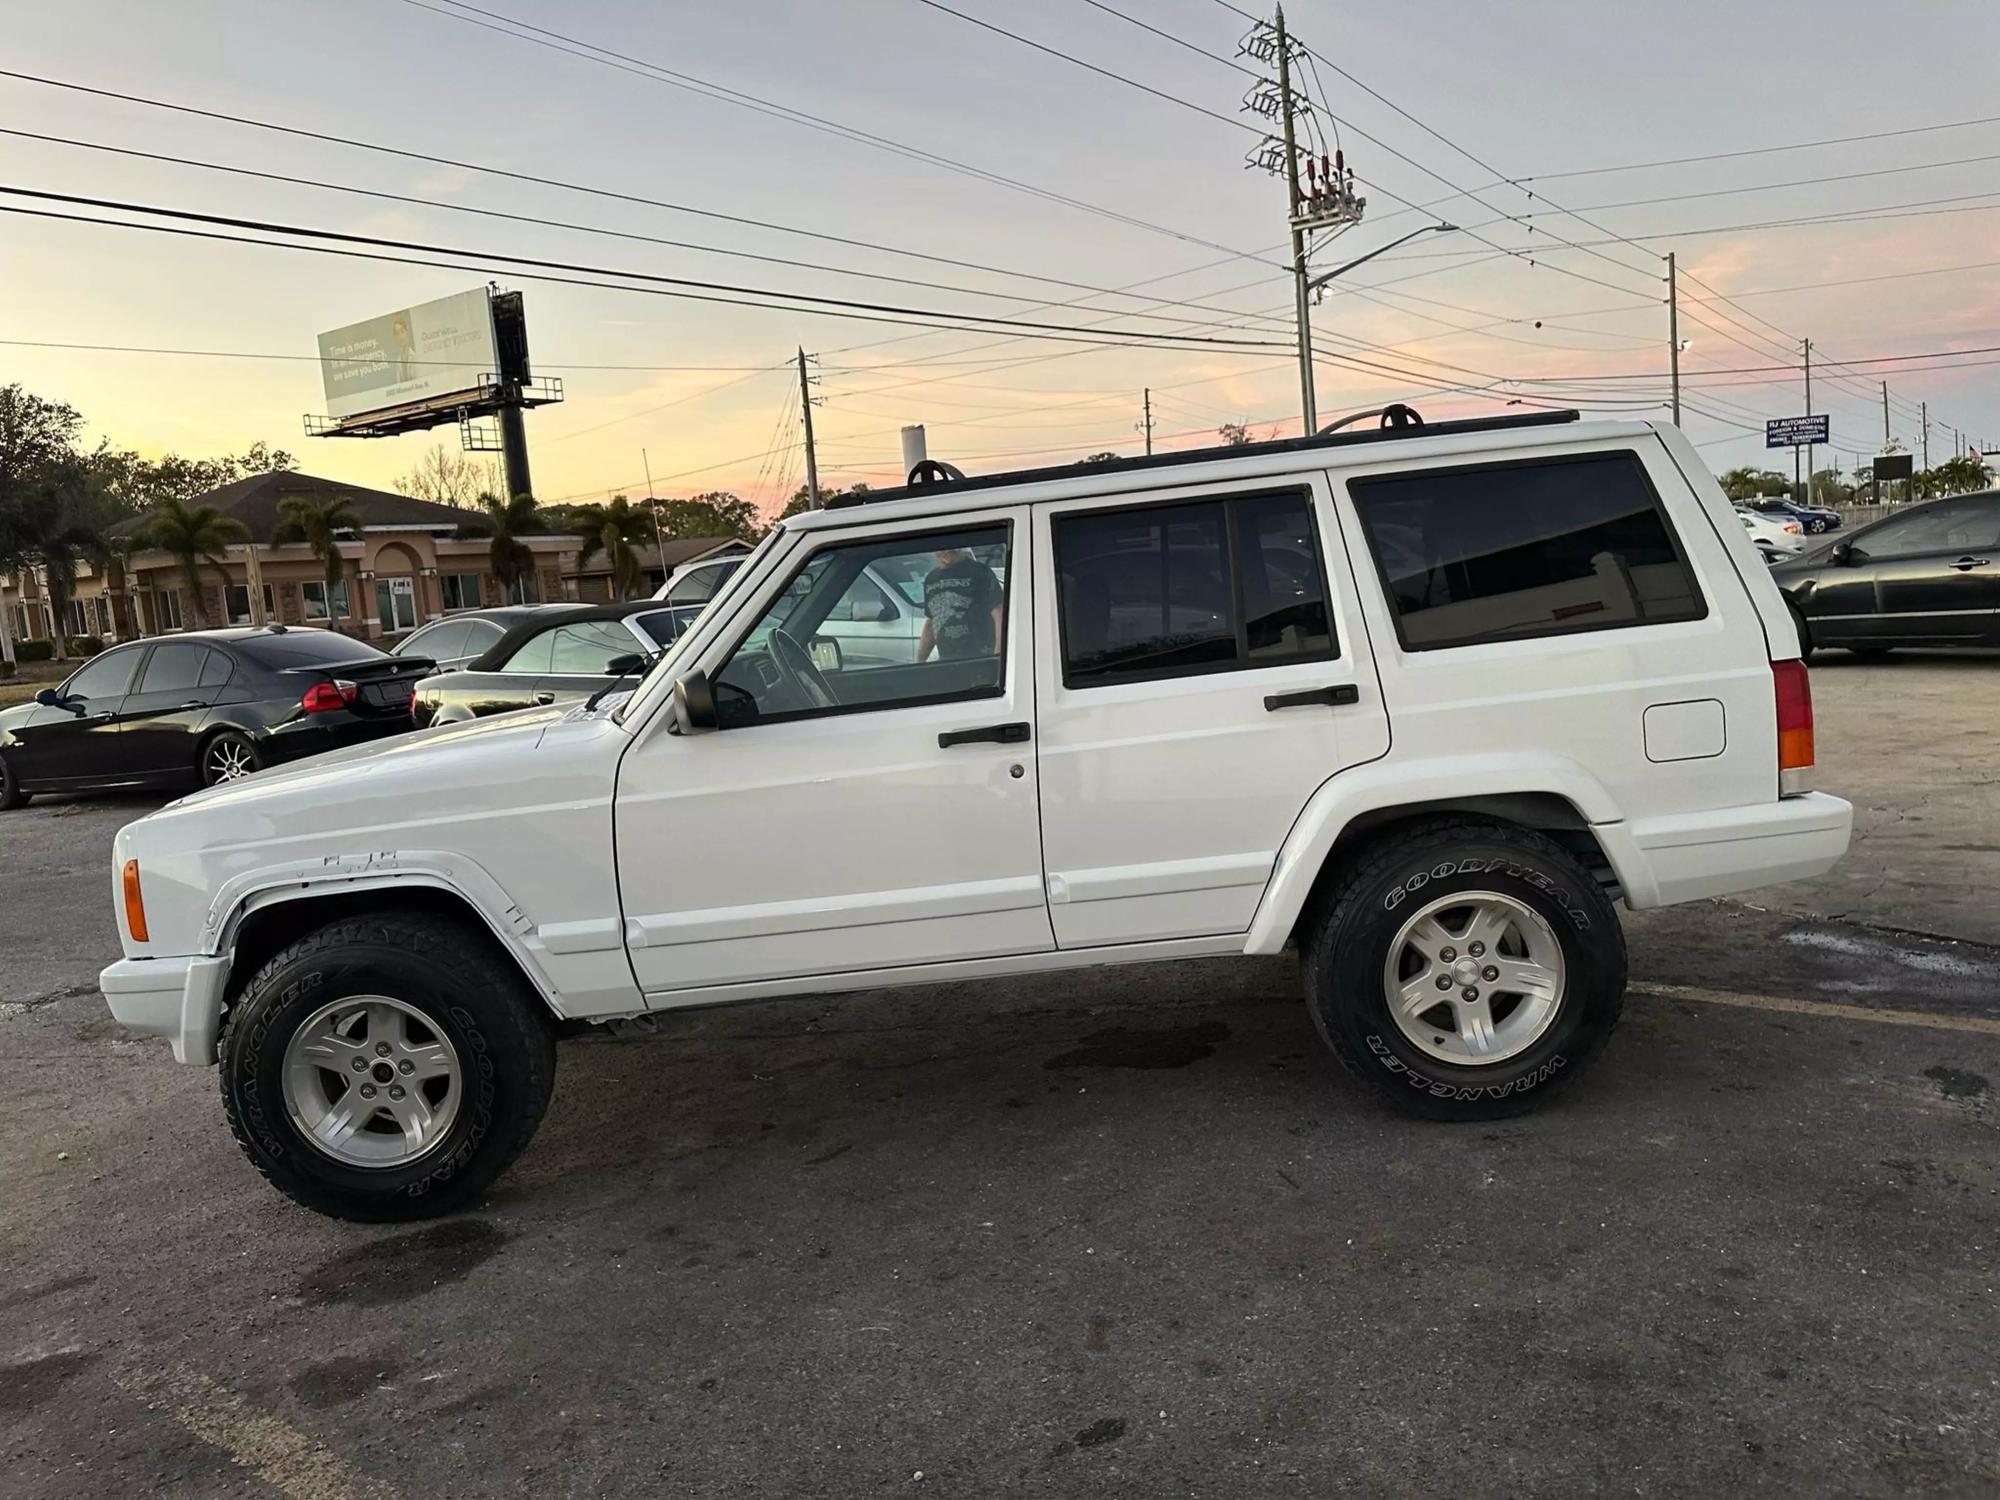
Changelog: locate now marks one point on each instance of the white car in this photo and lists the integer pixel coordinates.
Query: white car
(1774, 536)
(1422, 705)
(698, 582)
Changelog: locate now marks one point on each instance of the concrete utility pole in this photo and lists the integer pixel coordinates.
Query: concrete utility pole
(1674, 334)
(1302, 295)
(1147, 425)
(812, 460)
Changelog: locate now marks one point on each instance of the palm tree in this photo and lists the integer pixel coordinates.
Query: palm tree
(193, 535)
(508, 558)
(614, 528)
(315, 523)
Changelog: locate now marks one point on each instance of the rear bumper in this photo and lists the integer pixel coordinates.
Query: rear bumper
(177, 998)
(1692, 856)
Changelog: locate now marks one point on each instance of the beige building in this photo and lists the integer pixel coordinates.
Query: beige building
(405, 565)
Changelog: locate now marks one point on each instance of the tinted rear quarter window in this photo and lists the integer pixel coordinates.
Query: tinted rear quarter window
(1511, 551)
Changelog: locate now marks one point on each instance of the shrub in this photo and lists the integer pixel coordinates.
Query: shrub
(6, 669)
(85, 645)
(35, 650)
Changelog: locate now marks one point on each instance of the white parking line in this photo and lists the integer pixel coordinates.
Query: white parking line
(282, 1456)
(1786, 1005)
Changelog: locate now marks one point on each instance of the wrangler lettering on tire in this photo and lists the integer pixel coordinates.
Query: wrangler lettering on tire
(1465, 968)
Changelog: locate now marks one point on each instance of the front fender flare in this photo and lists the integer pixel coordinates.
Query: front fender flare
(1383, 785)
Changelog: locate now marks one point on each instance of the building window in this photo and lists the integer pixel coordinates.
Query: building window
(104, 614)
(460, 590)
(167, 606)
(1508, 552)
(237, 603)
(526, 589)
(79, 622)
(315, 597)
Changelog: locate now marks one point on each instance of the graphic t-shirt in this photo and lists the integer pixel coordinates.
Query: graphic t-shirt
(960, 598)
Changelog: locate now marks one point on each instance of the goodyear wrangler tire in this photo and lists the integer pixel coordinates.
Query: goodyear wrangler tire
(386, 1067)
(1466, 969)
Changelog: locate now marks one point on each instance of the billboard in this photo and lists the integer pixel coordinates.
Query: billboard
(419, 353)
(1792, 432)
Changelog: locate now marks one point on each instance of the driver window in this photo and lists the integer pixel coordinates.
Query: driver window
(588, 649)
(1935, 528)
(109, 677)
(887, 623)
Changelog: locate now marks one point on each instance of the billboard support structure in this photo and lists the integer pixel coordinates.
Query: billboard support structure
(398, 374)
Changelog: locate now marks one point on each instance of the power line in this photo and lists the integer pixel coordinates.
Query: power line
(604, 56)
(604, 230)
(662, 285)
(612, 194)
(1682, 161)
(1770, 187)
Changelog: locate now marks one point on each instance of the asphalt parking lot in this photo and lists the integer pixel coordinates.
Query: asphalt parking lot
(1125, 1233)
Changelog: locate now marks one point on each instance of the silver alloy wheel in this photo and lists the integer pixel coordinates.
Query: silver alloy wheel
(229, 760)
(1474, 978)
(371, 1082)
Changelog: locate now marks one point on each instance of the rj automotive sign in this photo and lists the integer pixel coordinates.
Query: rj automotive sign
(1794, 432)
(433, 349)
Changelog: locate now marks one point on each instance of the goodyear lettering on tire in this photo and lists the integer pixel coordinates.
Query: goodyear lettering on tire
(1446, 868)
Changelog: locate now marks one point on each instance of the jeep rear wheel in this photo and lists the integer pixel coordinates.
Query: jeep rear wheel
(386, 1067)
(1466, 969)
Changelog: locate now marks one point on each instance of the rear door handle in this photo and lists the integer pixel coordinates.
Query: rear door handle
(991, 734)
(544, 699)
(1967, 564)
(190, 706)
(1330, 697)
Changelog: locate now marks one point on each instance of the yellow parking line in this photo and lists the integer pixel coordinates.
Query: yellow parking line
(281, 1455)
(1786, 1005)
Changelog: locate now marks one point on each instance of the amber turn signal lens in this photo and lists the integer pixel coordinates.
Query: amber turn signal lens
(135, 905)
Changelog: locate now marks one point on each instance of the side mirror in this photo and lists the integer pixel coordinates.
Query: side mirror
(694, 705)
(1843, 555)
(49, 698)
(825, 651)
(621, 666)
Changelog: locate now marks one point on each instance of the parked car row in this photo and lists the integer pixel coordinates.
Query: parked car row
(210, 706)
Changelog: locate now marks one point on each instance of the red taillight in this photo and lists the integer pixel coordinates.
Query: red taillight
(1795, 724)
(328, 697)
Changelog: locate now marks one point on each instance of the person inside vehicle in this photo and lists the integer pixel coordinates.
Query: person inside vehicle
(962, 605)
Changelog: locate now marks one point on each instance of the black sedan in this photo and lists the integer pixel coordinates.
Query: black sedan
(200, 708)
(557, 654)
(1925, 576)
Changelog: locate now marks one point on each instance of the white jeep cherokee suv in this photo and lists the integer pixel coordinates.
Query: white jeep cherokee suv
(1421, 703)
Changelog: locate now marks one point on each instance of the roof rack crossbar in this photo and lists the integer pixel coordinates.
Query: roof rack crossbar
(1347, 439)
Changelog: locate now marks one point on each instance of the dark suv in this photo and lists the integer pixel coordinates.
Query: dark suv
(1928, 575)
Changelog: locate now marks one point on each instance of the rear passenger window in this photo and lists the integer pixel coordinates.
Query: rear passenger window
(1512, 551)
(1181, 589)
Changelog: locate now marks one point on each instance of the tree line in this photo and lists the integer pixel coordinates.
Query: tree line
(1962, 475)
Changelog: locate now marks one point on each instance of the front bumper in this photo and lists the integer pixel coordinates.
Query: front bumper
(1692, 856)
(177, 998)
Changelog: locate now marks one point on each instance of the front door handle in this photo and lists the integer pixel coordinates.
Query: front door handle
(1330, 697)
(544, 699)
(991, 734)
(1967, 564)
(190, 706)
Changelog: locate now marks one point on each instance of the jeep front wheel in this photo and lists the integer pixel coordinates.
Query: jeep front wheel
(386, 1067)
(1466, 969)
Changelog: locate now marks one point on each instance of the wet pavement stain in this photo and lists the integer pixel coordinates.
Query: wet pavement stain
(1957, 1083)
(1108, 1430)
(28, 1384)
(337, 1381)
(407, 1266)
(1130, 1047)
(1097, 1333)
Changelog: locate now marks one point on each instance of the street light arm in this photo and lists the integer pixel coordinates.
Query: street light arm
(1319, 281)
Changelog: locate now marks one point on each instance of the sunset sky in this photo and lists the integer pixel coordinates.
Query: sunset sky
(1553, 91)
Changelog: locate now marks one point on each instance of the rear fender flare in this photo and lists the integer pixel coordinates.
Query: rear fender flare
(1421, 786)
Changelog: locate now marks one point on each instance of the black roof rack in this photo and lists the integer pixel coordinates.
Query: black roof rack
(1357, 438)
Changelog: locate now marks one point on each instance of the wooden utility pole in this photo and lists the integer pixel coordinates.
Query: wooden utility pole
(806, 408)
